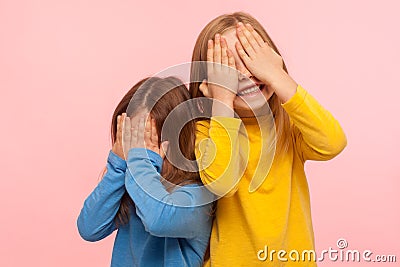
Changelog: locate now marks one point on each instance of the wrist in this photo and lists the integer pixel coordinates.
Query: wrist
(222, 108)
(116, 160)
(222, 93)
(225, 98)
(274, 78)
(118, 152)
(284, 86)
(141, 153)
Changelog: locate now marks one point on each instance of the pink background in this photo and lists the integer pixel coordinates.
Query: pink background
(65, 65)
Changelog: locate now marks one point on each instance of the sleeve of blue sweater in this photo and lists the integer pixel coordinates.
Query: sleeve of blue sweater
(97, 218)
(182, 213)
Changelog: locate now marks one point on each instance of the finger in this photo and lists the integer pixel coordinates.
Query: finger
(241, 52)
(243, 40)
(210, 56)
(154, 135)
(249, 36)
(210, 51)
(164, 149)
(126, 129)
(231, 59)
(147, 132)
(256, 36)
(224, 55)
(217, 48)
(243, 72)
(140, 132)
(119, 130)
(134, 134)
(127, 135)
(273, 51)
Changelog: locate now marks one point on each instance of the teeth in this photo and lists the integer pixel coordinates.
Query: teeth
(248, 91)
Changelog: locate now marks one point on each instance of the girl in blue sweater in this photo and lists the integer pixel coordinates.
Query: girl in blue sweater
(155, 206)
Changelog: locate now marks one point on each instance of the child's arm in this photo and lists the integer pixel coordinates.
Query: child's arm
(217, 141)
(165, 214)
(96, 220)
(217, 148)
(318, 135)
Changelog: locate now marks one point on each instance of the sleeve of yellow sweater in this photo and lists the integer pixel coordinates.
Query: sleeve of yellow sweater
(318, 135)
(217, 148)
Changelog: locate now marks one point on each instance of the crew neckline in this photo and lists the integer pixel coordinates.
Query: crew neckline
(255, 120)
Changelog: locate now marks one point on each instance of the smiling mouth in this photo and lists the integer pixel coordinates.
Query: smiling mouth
(251, 90)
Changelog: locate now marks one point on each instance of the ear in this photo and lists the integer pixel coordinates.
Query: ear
(204, 88)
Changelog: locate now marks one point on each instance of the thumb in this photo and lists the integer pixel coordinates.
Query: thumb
(164, 148)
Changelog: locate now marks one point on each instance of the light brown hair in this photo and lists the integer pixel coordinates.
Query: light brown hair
(199, 72)
(163, 95)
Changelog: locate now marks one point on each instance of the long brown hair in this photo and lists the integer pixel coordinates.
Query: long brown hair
(199, 72)
(161, 96)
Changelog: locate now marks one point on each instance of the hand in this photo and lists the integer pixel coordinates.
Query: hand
(260, 59)
(117, 146)
(221, 71)
(143, 135)
(126, 135)
(151, 138)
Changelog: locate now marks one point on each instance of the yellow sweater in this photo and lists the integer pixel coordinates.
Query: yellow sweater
(277, 216)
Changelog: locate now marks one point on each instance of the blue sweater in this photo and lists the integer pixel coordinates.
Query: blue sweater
(159, 233)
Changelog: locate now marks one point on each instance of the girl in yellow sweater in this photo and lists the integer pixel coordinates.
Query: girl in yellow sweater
(255, 161)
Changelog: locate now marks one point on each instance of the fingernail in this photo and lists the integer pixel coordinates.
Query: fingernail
(217, 36)
(240, 24)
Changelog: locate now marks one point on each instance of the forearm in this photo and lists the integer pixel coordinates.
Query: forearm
(283, 85)
(321, 136)
(217, 155)
(223, 107)
(155, 205)
(96, 219)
